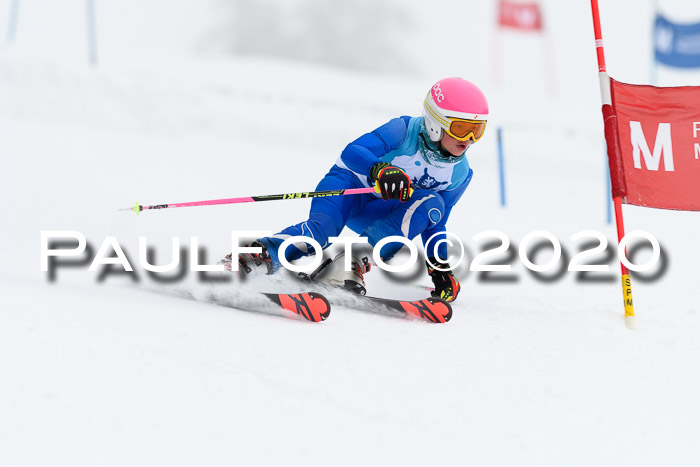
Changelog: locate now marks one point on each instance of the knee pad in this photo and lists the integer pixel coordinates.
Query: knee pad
(425, 203)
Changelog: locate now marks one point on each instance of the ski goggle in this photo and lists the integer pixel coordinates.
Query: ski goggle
(463, 130)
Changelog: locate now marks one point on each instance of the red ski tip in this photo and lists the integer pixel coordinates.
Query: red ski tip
(312, 306)
(434, 310)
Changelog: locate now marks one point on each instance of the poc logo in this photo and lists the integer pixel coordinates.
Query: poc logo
(439, 96)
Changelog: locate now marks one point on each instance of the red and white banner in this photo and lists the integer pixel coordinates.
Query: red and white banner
(524, 16)
(656, 162)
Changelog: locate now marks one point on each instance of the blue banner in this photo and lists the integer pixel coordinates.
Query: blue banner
(677, 45)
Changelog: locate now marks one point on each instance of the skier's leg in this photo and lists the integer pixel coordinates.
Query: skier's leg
(327, 217)
(380, 219)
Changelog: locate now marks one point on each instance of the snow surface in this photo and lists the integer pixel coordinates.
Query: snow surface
(124, 371)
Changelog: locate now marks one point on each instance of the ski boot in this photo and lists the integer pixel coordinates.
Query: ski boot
(332, 272)
(251, 264)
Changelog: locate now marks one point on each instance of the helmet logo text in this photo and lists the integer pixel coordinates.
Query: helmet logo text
(439, 96)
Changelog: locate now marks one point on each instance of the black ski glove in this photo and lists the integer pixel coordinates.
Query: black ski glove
(446, 284)
(391, 182)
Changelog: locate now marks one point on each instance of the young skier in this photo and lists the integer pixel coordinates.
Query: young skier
(419, 167)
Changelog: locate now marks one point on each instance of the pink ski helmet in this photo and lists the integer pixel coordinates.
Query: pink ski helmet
(457, 107)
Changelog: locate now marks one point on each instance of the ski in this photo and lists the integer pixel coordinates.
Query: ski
(311, 306)
(352, 293)
(432, 309)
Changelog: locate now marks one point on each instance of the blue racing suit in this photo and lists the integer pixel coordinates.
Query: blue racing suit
(437, 178)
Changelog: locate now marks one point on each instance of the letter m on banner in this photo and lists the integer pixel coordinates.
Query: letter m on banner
(654, 134)
(663, 144)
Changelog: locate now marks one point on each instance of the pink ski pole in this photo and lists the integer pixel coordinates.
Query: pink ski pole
(137, 208)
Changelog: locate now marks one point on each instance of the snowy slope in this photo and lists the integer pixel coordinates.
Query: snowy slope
(528, 372)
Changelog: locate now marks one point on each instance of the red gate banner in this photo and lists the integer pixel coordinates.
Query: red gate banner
(524, 16)
(657, 160)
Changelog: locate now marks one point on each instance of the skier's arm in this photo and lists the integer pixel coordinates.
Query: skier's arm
(360, 155)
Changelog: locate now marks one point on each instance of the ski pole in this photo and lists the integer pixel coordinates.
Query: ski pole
(137, 208)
